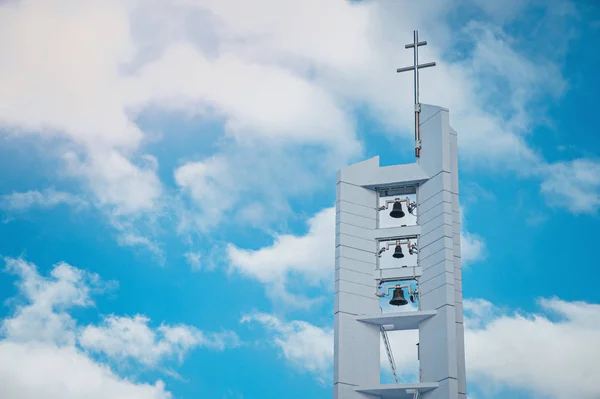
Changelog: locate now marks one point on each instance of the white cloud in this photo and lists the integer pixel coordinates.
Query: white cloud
(301, 343)
(130, 194)
(537, 352)
(573, 185)
(50, 92)
(98, 99)
(308, 257)
(38, 356)
(211, 186)
(551, 353)
(472, 246)
(194, 260)
(251, 183)
(356, 64)
(265, 101)
(273, 85)
(117, 183)
(44, 318)
(479, 311)
(131, 239)
(48, 198)
(40, 343)
(131, 337)
(311, 254)
(35, 370)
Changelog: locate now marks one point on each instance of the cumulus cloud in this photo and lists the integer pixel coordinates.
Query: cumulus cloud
(132, 337)
(42, 345)
(472, 248)
(211, 185)
(48, 198)
(131, 239)
(552, 352)
(472, 245)
(309, 256)
(45, 318)
(573, 185)
(250, 183)
(249, 95)
(92, 100)
(52, 93)
(194, 259)
(36, 370)
(117, 183)
(271, 84)
(301, 343)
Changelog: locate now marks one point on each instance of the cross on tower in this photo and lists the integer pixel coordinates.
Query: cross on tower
(415, 46)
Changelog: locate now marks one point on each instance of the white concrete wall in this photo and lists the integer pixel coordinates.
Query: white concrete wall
(356, 352)
(441, 338)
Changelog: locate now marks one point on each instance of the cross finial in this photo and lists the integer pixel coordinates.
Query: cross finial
(415, 68)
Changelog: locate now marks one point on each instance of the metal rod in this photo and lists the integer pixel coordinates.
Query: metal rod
(388, 349)
(417, 131)
(417, 110)
(405, 69)
(410, 68)
(429, 64)
(416, 70)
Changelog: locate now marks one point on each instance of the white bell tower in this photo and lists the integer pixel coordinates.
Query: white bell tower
(358, 320)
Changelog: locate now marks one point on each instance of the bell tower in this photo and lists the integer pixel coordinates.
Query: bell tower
(434, 280)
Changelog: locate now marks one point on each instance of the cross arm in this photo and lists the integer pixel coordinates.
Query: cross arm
(411, 68)
(424, 43)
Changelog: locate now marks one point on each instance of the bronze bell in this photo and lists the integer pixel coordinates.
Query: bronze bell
(398, 297)
(398, 252)
(397, 211)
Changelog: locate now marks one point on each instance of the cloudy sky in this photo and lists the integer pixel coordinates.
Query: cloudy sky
(168, 177)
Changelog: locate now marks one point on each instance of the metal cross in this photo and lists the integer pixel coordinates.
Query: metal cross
(415, 46)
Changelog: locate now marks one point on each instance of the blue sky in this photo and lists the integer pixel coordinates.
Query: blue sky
(168, 177)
